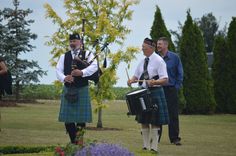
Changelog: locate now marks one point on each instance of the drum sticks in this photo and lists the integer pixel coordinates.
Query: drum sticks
(127, 76)
(127, 73)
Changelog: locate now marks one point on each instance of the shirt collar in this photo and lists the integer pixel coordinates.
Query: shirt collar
(77, 50)
(151, 56)
(166, 57)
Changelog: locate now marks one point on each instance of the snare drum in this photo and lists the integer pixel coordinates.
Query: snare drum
(138, 101)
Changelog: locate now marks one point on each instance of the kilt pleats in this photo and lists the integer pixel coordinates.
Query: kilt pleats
(79, 111)
(159, 116)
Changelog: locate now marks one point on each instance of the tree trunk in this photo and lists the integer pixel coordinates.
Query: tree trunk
(99, 123)
(0, 122)
(17, 95)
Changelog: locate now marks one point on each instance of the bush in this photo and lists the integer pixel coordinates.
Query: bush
(22, 149)
(40, 92)
(31, 92)
(120, 92)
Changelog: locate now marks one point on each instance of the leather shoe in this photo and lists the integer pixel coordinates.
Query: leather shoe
(177, 142)
(154, 151)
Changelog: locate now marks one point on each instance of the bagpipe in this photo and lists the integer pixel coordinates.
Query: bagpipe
(83, 59)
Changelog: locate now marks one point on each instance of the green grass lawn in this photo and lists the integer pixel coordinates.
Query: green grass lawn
(37, 125)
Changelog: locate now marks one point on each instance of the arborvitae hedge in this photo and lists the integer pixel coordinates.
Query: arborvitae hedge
(159, 29)
(197, 87)
(220, 73)
(231, 83)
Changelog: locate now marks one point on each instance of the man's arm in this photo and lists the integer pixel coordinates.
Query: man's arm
(60, 69)
(92, 68)
(179, 74)
(3, 68)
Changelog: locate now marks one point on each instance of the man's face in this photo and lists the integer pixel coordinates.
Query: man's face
(74, 44)
(147, 49)
(161, 46)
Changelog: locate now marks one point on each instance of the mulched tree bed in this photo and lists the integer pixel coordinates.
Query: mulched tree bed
(8, 103)
(103, 129)
(14, 103)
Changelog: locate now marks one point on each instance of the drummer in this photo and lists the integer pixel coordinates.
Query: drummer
(151, 73)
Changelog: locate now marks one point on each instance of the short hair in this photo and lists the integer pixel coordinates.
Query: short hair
(149, 42)
(165, 39)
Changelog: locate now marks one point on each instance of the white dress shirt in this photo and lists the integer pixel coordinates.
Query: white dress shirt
(156, 66)
(92, 68)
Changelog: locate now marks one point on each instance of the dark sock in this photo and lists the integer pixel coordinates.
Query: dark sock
(71, 129)
(160, 133)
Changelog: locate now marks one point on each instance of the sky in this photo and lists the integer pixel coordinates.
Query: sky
(173, 11)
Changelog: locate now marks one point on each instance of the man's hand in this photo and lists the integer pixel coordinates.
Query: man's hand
(69, 79)
(130, 81)
(151, 82)
(77, 72)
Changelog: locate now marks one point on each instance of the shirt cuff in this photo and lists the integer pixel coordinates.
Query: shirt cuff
(84, 73)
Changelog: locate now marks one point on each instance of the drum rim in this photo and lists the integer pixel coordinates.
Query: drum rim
(135, 91)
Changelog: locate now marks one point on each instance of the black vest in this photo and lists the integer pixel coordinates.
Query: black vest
(78, 81)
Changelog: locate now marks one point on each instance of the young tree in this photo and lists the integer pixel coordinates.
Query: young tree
(104, 19)
(209, 26)
(17, 41)
(221, 73)
(159, 29)
(197, 84)
(231, 40)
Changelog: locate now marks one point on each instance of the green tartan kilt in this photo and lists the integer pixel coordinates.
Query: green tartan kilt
(80, 111)
(159, 116)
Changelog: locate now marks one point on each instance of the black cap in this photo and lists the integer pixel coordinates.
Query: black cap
(149, 42)
(74, 36)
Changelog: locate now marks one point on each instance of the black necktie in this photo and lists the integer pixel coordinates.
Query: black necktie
(75, 53)
(145, 75)
(73, 65)
(145, 71)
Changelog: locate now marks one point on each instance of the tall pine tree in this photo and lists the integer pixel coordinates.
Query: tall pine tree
(221, 73)
(17, 41)
(197, 87)
(231, 83)
(159, 29)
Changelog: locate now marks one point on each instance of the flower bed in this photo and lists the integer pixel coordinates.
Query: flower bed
(104, 149)
(88, 148)
(93, 149)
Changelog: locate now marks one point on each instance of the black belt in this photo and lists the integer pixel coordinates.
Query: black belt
(153, 88)
(168, 86)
